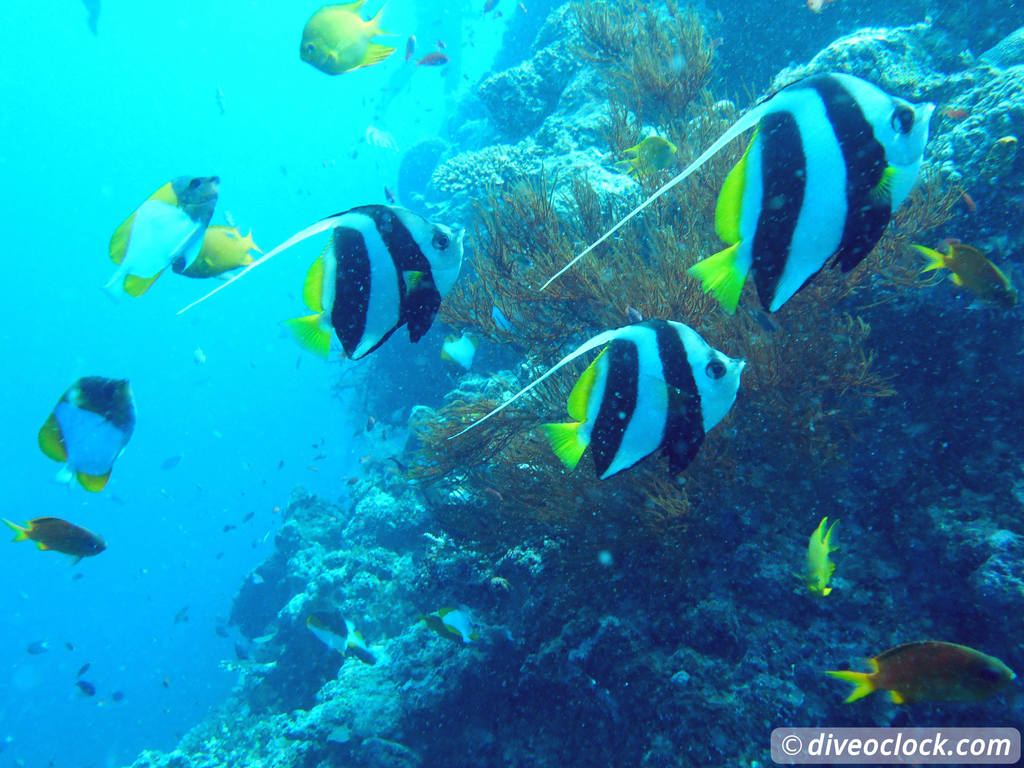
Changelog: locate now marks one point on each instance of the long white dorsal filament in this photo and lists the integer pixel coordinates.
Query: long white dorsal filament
(596, 341)
(749, 120)
(314, 229)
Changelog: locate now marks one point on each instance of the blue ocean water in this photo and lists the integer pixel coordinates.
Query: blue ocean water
(91, 126)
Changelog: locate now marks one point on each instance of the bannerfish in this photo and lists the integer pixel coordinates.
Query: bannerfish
(384, 267)
(89, 428)
(452, 623)
(649, 156)
(166, 229)
(223, 249)
(970, 269)
(819, 567)
(52, 533)
(930, 670)
(459, 350)
(831, 158)
(341, 636)
(336, 39)
(657, 385)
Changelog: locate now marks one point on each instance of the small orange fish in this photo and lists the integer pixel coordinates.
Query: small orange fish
(972, 270)
(955, 113)
(433, 59)
(969, 202)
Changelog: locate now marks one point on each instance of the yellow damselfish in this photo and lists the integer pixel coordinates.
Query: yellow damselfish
(650, 155)
(819, 567)
(336, 39)
(223, 249)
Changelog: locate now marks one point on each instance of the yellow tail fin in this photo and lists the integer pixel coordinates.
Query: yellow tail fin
(936, 260)
(94, 483)
(863, 683)
(310, 335)
(721, 277)
(565, 442)
(22, 532)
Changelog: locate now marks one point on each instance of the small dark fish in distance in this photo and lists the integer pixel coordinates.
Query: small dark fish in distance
(389, 195)
(434, 59)
(38, 647)
(117, 696)
(489, 5)
(410, 46)
(221, 631)
(241, 653)
(170, 463)
(229, 527)
(181, 616)
(86, 687)
(248, 517)
(441, 45)
(83, 669)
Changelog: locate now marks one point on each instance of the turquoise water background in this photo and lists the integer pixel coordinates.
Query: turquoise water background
(90, 127)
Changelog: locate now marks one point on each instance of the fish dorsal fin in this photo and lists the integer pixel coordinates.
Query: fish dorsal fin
(747, 121)
(324, 224)
(599, 340)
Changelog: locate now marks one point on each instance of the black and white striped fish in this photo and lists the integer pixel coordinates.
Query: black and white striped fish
(833, 156)
(383, 268)
(657, 385)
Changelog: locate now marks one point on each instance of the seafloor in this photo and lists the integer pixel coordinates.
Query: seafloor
(616, 627)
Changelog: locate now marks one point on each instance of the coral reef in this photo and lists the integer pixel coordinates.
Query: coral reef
(651, 620)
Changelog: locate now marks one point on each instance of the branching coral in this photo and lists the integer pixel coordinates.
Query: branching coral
(656, 58)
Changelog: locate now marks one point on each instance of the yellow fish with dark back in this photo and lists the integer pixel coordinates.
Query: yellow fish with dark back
(649, 156)
(972, 270)
(336, 39)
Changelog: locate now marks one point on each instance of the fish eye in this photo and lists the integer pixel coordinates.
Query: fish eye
(715, 369)
(310, 48)
(903, 118)
(194, 184)
(441, 241)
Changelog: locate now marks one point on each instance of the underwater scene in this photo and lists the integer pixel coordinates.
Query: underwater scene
(498, 383)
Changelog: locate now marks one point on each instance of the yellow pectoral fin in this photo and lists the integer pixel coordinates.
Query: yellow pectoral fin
(310, 334)
(565, 442)
(313, 288)
(720, 276)
(897, 697)
(957, 280)
(50, 441)
(882, 193)
(93, 483)
(136, 286)
(119, 240)
(41, 546)
(580, 395)
(375, 52)
(863, 683)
